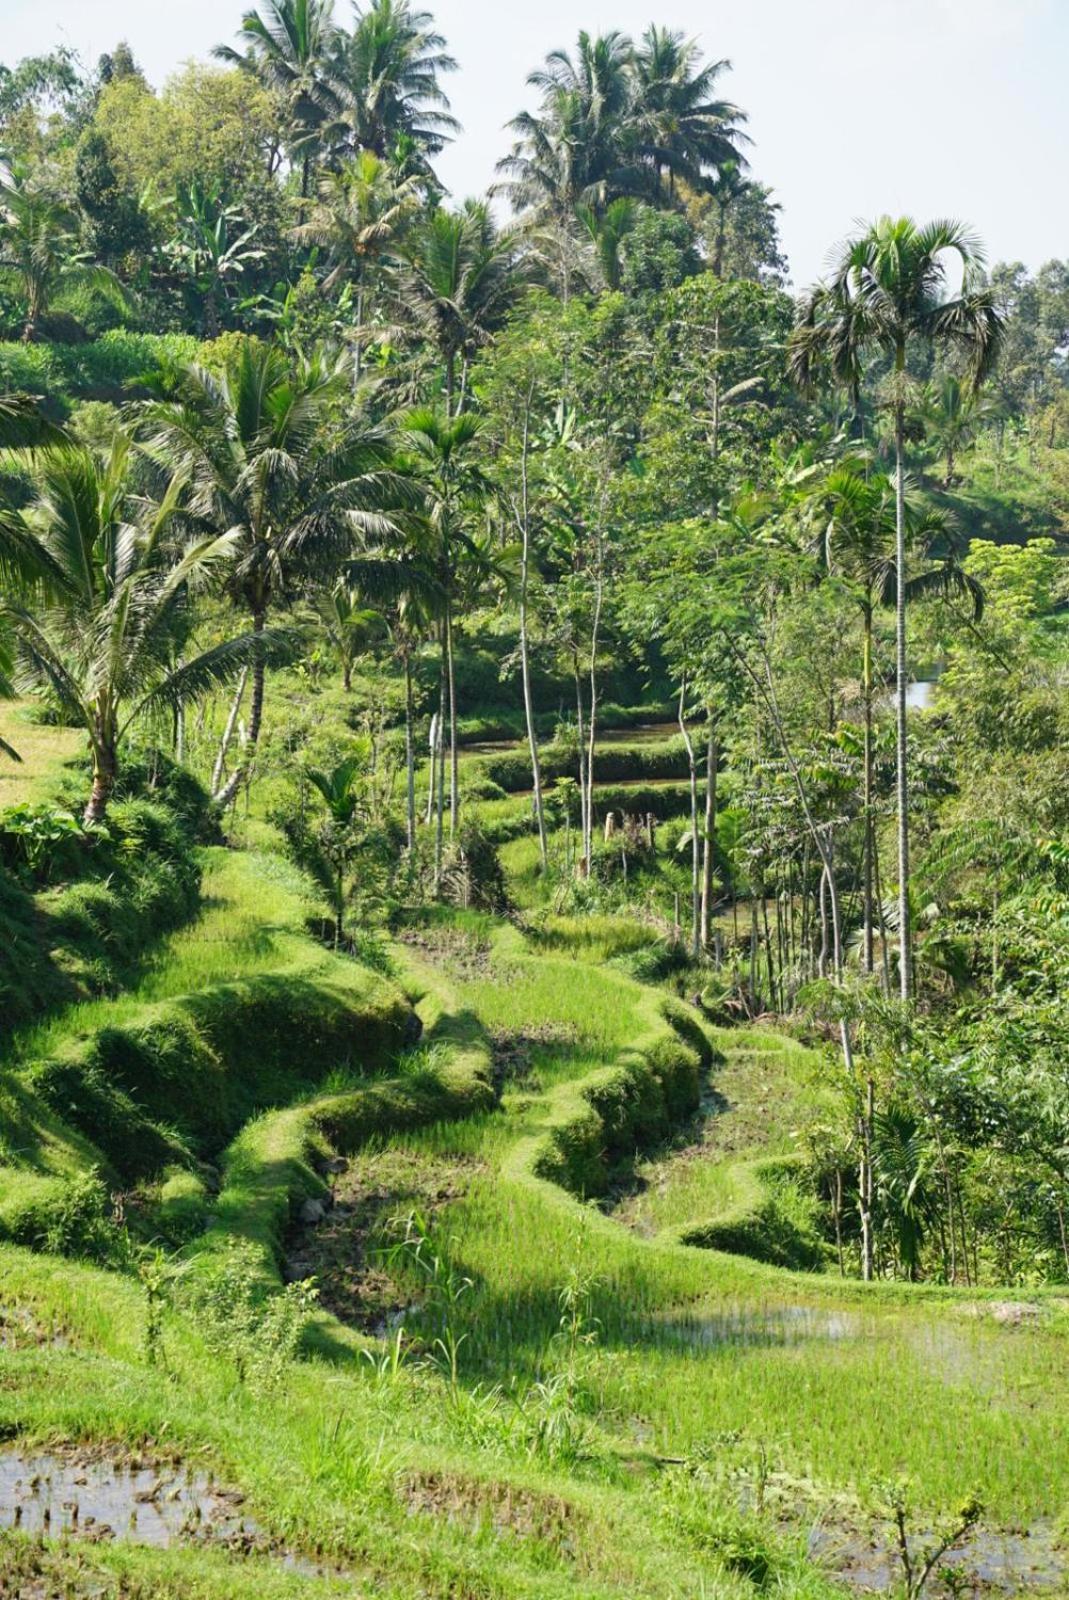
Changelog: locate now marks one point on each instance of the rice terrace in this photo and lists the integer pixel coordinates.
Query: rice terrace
(534, 807)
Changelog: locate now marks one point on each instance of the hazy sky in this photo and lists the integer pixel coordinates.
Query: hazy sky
(937, 107)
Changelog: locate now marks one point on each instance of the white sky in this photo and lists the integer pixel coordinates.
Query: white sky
(936, 107)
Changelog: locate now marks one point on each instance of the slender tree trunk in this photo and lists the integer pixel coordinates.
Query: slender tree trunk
(256, 713)
(595, 631)
(357, 346)
(454, 766)
(905, 975)
(439, 760)
(712, 761)
(867, 695)
(865, 1181)
(580, 731)
(228, 731)
(695, 843)
(410, 760)
(525, 653)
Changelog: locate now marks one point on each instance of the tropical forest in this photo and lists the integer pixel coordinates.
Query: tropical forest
(534, 847)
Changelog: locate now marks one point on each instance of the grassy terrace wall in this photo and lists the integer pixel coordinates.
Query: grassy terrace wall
(241, 1011)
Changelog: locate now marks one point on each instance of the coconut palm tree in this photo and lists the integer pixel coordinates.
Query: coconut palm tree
(289, 46)
(459, 279)
(359, 218)
(99, 627)
(891, 293)
(267, 462)
(679, 127)
(571, 151)
(387, 75)
(39, 244)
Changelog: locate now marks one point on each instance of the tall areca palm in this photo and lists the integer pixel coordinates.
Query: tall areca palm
(460, 278)
(443, 459)
(100, 625)
(387, 73)
(359, 216)
(890, 293)
(289, 45)
(856, 525)
(679, 126)
(267, 461)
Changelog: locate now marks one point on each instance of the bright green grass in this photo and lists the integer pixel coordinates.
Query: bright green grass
(840, 1383)
(45, 752)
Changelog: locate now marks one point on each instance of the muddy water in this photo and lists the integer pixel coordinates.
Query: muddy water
(767, 1325)
(99, 1498)
(990, 1560)
(107, 1498)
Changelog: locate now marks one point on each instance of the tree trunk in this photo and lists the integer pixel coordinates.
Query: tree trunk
(454, 767)
(105, 771)
(410, 761)
(255, 722)
(256, 713)
(580, 731)
(439, 760)
(905, 974)
(599, 592)
(695, 843)
(865, 1182)
(525, 657)
(712, 761)
(867, 695)
(228, 731)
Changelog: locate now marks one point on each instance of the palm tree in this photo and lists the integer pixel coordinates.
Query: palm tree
(359, 216)
(572, 151)
(442, 452)
(99, 628)
(39, 243)
(679, 128)
(289, 47)
(267, 462)
(952, 415)
(387, 76)
(459, 280)
(606, 232)
(856, 528)
(890, 293)
(348, 625)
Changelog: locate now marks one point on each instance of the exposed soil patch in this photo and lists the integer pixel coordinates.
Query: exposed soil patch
(21, 1330)
(346, 1251)
(461, 954)
(502, 1507)
(513, 1053)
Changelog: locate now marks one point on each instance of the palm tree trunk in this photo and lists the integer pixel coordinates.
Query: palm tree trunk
(867, 695)
(410, 761)
(454, 770)
(525, 657)
(105, 771)
(712, 761)
(695, 844)
(905, 975)
(438, 758)
(256, 714)
(228, 731)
